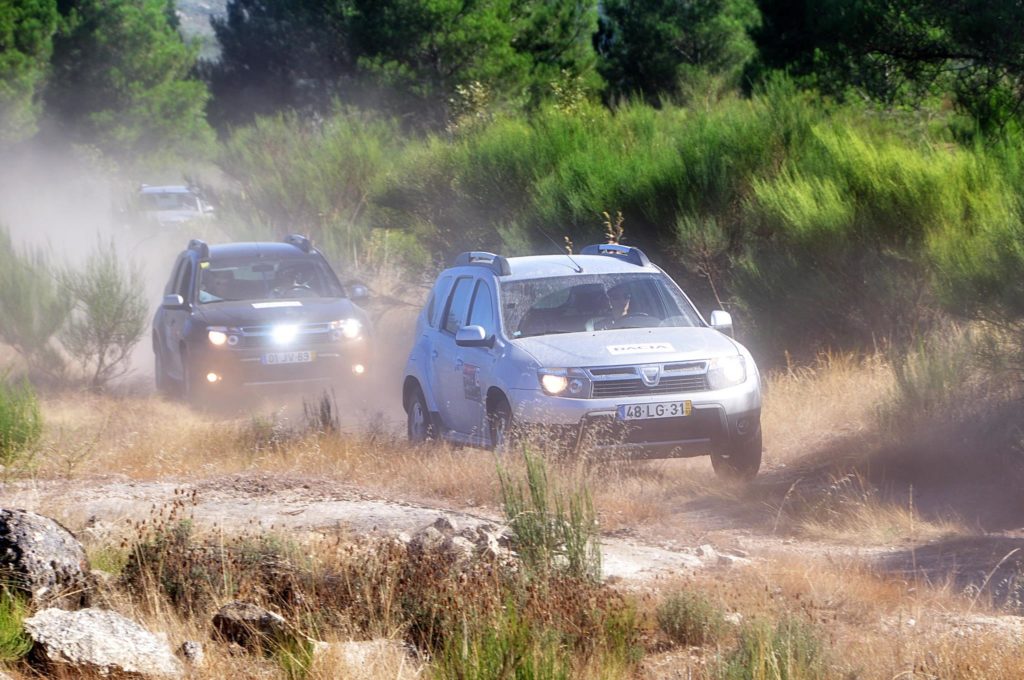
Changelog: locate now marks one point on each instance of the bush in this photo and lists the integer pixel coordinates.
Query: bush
(14, 641)
(554, 530)
(21, 423)
(689, 618)
(789, 650)
(109, 317)
(33, 307)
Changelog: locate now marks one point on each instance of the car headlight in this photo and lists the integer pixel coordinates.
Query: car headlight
(726, 372)
(350, 329)
(217, 337)
(566, 382)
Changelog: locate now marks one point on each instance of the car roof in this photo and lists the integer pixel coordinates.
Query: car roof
(258, 249)
(166, 189)
(544, 266)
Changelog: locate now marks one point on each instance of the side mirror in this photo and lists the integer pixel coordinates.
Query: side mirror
(358, 291)
(173, 301)
(473, 336)
(721, 321)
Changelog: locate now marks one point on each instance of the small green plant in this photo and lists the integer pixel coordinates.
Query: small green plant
(505, 646)
(553, 530)
(109, 315)
(14, 641)
(294, 656)
(789, 650)
(689, 618)
(21, 423)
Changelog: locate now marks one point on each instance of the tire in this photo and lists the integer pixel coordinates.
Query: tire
(499, 426)
(163, 383)
(740, 459)
(191, 386)
(417, 424)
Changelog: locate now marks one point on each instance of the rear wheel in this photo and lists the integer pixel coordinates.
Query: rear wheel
(740, 459)
(418, 425)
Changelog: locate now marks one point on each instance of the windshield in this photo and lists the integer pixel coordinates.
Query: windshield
(572, 304)
(177, 200)
(265, 279)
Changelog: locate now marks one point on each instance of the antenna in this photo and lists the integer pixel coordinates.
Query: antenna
(575, 264)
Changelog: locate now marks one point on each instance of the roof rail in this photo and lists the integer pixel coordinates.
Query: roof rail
(627, 253)
(201, 247)
(299, 241)
(496, 263)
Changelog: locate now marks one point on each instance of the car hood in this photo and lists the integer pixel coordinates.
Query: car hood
(263, 312)
(627, 346)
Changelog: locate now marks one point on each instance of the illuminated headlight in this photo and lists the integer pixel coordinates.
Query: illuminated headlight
(350, 329)
(726, 372)
(284, 333)
(217, 337)
(571, 382)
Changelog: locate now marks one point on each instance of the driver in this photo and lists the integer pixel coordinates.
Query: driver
(619, 298)
(214, 286)
(296, 278)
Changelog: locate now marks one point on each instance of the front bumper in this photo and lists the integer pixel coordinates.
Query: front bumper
(717, 418)
(236, 368)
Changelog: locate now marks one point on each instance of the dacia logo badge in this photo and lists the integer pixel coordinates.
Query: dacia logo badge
(650, 374)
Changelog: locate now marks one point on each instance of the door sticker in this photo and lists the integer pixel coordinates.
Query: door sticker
(471, 382)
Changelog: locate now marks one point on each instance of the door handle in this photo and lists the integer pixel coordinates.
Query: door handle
(433, 355)
(459, 363)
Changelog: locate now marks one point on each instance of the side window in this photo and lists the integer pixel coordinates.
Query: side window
(458, 305)
(181, 288)
(172, 282)
(437, 298)
(481, 313)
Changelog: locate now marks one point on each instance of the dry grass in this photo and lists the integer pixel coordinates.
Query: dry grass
(807, 407)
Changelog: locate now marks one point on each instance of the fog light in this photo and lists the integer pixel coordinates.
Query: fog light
(359, 369)
(232, 340)
(742, 426)
(212, 377)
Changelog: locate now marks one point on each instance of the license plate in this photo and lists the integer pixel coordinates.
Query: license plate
(664, 409)
(274, 358)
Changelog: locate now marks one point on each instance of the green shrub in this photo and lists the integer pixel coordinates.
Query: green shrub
(689, 618)
(14, 641)
(21, 422)
(554, 530)
(32, 305)
(789, 650)
(109, 316)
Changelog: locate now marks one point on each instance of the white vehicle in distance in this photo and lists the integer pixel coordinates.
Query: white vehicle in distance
(599, 351)
(172, 204)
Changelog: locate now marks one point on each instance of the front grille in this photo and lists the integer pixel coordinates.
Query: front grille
(608, 431)
(635, 387)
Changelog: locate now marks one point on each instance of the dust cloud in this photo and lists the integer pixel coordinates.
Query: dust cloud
(67, 203)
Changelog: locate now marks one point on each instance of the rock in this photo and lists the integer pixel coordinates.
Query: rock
(42, 558)
(445, 525)
(192, 653)
(428, 540)
(100, 641)
(461, 548)
(250, 626)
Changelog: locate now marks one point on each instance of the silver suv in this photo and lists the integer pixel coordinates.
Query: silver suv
(600, 350)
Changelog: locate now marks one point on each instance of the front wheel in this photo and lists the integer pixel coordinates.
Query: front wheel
(163, 383)
(192, 385)
(418, 425)
(499, 425)
(740, 459)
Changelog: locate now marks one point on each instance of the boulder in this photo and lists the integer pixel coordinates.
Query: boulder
(251, 626)
(100, 641)
(42, 558)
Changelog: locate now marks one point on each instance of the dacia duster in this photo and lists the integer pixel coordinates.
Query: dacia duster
(600, 350)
